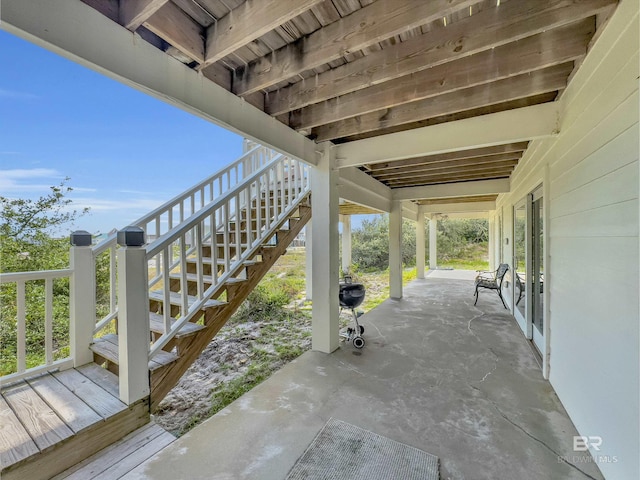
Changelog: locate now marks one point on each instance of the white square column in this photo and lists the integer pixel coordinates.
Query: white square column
(308, 254)
(395, 250)
(346, 243)
(433, 242)
(492, 243)
(420, 253)
(325, 255)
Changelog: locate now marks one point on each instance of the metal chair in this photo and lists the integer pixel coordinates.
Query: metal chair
(492, 281)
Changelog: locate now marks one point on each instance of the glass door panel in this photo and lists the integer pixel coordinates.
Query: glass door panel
(520, 259)
(537, 263)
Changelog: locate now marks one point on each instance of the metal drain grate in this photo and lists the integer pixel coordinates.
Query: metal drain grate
(344, 451)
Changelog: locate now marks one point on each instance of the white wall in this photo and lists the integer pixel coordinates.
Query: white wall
(590, 174)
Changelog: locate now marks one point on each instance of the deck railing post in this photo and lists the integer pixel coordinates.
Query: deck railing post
(82, 301)
(133, 316)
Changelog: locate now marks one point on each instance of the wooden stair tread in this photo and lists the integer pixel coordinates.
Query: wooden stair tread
(156, 322)
(219, 261)
(208, 279)
(107, 348)
(175, 298)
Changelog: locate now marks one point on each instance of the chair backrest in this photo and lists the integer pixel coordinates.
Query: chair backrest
(500, 272)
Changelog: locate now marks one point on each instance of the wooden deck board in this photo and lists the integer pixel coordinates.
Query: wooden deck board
(127, 454)
(75, 413)
(41, 422)
(104, 403)
(101, 376)
(136, 457)
(15, 442)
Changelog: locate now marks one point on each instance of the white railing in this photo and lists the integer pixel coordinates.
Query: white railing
(264, 201)
(174, 212)
(48, 357)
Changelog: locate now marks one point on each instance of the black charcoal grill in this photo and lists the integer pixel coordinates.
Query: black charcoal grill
(351, 296)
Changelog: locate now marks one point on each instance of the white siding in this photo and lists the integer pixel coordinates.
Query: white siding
(592, 251)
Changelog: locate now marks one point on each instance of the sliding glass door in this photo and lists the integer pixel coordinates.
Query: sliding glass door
(528, 266)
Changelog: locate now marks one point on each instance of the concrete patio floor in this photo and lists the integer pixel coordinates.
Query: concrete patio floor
(437, 373)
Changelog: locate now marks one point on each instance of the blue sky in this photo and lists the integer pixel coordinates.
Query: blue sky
(125, 152)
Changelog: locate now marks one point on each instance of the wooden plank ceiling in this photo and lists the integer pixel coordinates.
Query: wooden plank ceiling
(345, 70)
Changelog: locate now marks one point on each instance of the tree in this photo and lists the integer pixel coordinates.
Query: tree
(29, 242)
(30, 229)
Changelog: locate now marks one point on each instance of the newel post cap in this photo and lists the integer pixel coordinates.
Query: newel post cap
(131, 236)
(80, 238)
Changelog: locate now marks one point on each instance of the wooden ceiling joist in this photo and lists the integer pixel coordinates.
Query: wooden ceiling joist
(485, 30)
(479, 170)
(450, 179)
(446, 201)
(365, 27)
(533, 53)
(462, 165)
(474, 153)
(179, 29)
(134, 13)
(526, 85)
(249, 21)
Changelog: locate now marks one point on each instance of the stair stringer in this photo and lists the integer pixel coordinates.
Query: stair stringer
(163, 380)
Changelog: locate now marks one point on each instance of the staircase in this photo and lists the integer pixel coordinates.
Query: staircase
(219, 239)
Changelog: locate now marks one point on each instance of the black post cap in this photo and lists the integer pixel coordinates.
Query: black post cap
(80, 238)
(131, 236)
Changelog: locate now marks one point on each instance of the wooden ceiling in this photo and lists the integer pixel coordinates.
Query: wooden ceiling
(345, 70)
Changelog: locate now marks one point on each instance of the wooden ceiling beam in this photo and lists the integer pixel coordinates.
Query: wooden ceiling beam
(500, 167)
(533, 53)
(459, 207)
(459, 189)
(487, 29)
(367, 26)
(522, 86)
(441, 166)
(134, 13)
(455, 117)
(478, 153)
(452, 179)
(249, 21)
(178, 29)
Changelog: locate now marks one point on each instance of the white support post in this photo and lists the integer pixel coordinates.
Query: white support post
(395, 250)
(308, 251)
(492, 243)
(133, 321)
(346, 244)
(324, 185)
(420, 248)
(82, 298)
(433, 242)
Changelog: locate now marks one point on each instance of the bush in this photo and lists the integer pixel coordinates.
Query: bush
(370, 244)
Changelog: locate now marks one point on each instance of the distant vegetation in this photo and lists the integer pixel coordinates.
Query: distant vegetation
(461, 244)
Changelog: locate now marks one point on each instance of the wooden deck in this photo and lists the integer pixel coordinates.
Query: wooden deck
(53, 421)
